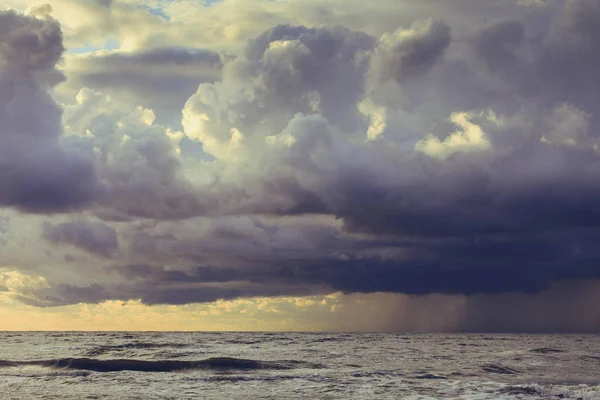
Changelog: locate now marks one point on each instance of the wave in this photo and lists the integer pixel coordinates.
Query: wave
(216, 363)
(328, 339)
(590, 358)
(546, 350)
(96, 351)
(498, 369)
(241, 341)
(581, 392)
(429, 376)
(371, 374)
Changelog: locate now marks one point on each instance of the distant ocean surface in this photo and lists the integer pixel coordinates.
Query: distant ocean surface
(111, 365)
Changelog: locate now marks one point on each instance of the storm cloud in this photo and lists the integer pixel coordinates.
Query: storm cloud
(38, 175)
(431, 159)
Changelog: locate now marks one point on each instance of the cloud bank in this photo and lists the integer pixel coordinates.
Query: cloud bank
(437, 158)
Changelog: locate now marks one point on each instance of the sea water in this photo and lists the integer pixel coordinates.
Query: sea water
(174, 365)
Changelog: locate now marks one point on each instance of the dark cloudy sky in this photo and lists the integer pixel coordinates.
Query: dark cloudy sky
(416, 165)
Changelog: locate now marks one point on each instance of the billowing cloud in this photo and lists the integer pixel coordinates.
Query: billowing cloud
(136, 160)
(160, 79)
(413, 51)
(38, 174)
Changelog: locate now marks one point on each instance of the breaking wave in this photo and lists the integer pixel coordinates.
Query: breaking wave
(217, 363)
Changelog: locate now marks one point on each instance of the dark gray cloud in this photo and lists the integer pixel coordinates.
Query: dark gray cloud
(251, 258)
(30, 44)
(452, 266)
(53, 180)
(409, 53)
(64, 294)
(38, 175)
(91, 236)
(558, 67)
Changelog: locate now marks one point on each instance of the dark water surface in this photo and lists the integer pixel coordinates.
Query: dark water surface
(156, 365)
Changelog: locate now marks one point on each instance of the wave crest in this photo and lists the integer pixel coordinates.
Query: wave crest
(218, 363)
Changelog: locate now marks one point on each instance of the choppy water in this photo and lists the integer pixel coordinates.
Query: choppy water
(100, 365)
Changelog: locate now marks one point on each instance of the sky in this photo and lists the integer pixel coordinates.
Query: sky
(303, 165)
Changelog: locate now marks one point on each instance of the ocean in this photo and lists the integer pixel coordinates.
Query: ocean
(177, 365)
